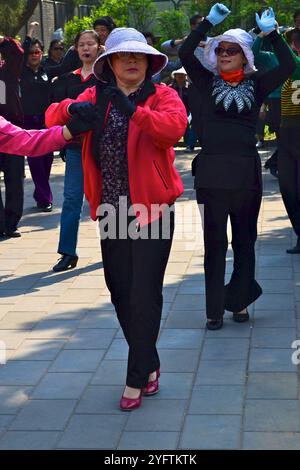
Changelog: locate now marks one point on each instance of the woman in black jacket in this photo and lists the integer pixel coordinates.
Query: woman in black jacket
(227, 170)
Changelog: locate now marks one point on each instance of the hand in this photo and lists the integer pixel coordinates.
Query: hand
(84, 109)
(32, 28)
(267, 21)
(120, 100)
(78, 125)
(217, 14)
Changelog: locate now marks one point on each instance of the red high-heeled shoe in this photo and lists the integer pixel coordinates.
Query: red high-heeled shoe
(152, 387)
(129, 404)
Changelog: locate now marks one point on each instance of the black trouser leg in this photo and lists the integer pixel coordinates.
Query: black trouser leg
(134, 272)
(116, 256)
(289, 181)
(242, 289)
(13, 168)
(216, 243)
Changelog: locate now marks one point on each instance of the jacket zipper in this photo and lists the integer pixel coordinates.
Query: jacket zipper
(160, 174)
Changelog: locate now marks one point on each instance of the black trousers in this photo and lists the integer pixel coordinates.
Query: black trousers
(242, 206)
(134, 272)
(11, 211)
(289, 174)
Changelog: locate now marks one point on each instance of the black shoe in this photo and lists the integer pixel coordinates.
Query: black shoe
(66, 262)
(44, 207)
(13, 234)
(214, 324)
(295, 250)
(240, 317)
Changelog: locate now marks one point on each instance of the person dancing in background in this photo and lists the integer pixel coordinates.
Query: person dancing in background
(88, 46)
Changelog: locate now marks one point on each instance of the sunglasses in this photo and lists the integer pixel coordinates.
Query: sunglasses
(35, 52)
(230, 51)
(135, 55)
(59, 48)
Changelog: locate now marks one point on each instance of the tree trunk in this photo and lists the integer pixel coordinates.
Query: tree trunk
(30, 6)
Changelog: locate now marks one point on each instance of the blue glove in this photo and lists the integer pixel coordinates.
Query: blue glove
(217, 14)
(267, 21)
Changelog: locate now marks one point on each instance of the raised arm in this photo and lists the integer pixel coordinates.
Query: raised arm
(195, 70)
(27, 41)
(263, 59)
(272, 79)
(12, 54)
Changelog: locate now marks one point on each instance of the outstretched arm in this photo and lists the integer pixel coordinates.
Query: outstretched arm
(17, 141)
(33, 143)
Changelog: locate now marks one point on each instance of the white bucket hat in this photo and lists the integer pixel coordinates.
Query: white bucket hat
(129, 40)
(238, 36)
(181, 71)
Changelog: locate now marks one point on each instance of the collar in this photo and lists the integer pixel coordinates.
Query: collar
(78, 72)
(236, 76)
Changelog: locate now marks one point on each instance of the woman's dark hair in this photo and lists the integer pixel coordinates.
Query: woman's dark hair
(195, 18)
(35, 41)
(87, 31)
(53, 43)
(106, 21)
(148, 34)
(292, 35)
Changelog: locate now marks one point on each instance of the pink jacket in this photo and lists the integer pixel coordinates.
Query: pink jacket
(17, 141)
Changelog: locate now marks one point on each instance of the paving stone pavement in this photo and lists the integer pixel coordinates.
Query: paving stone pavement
(236, 388)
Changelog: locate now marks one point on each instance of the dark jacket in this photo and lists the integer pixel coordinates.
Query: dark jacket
(10, 72)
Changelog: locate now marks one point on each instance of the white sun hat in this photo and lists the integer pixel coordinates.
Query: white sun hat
(179, 71)
(129, 40)
(238, 36)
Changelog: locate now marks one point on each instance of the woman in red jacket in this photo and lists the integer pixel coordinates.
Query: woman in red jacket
(128, 169)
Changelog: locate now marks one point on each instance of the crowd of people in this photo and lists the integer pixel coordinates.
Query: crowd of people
(105, 104)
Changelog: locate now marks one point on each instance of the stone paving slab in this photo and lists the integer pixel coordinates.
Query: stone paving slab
(236, 388)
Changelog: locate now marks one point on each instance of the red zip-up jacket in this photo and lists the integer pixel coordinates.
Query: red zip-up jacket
(157, 124)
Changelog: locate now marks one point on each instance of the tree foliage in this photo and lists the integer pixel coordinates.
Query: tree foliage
(139, 14)
(243, 11)
(14, 14)
(142, 14)
(172, 24)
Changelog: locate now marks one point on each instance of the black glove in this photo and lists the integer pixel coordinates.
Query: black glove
(120, 100)
(77, 124)
(84, 109)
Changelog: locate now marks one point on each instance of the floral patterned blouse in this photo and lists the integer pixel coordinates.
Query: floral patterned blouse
(113, 157)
